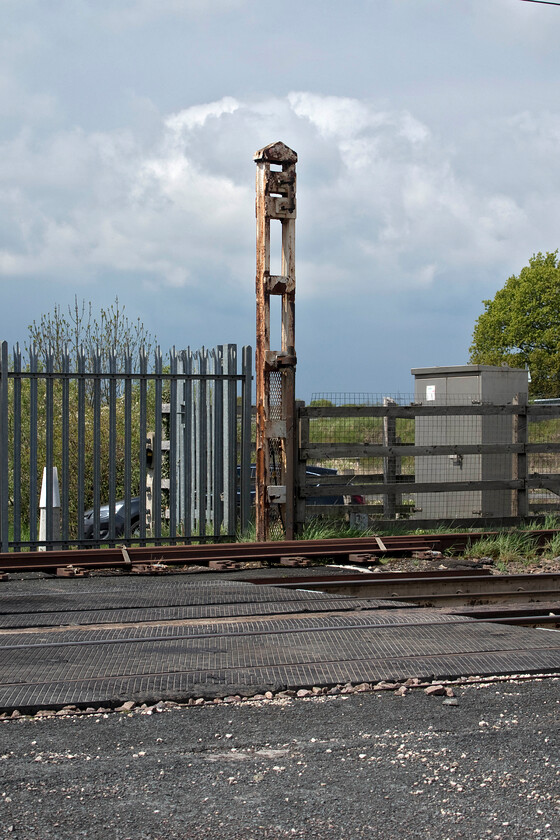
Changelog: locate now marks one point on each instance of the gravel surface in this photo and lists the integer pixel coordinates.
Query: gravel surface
(357, 765)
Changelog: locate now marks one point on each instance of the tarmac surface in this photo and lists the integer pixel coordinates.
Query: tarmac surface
(360, 765)
(353, 763)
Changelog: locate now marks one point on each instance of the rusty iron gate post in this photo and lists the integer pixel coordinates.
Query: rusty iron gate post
(275, 369)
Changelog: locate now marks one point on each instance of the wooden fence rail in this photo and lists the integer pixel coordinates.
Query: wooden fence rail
(392, 486)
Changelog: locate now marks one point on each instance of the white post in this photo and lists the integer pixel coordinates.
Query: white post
(55, 511)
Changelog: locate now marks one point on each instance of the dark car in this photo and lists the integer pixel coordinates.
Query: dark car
(119, 520)
(317, 472)
(311, 472)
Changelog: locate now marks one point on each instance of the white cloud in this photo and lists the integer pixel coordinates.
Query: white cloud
(381, 198)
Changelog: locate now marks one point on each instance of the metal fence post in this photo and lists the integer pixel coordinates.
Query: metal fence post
(230, 439)
(4, 443)
(65, 499)
(16, 474)
(245, 467)
(220, 512)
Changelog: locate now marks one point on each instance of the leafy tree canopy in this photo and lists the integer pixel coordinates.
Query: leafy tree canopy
(521, 325)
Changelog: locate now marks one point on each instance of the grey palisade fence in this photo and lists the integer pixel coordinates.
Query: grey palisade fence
(91, 418)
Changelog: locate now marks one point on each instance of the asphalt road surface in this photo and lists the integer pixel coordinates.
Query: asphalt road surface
(369, 765)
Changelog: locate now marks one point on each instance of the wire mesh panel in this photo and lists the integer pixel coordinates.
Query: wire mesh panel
(449, 457)
(544, 432)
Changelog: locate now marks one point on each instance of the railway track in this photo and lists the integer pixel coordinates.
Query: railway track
(223, 555)
(530, 600)
(105, 640)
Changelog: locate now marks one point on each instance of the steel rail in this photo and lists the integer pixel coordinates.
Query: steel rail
(268, 552)
(302, 580)
(414, 587)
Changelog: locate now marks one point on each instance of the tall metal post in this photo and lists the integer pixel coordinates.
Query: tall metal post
(275, 369)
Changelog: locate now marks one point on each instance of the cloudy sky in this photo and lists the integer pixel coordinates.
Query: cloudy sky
(428, 139)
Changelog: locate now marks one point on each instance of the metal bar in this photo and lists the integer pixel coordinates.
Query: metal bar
(143, 387)
(220, 491)
(188, 473)
(172, 460)
(209, 446)
(16, 444)
(106, 375)
(112, 459)
(49, 429)
(246, 415)
(127, 466)
(96, 446)
(202, 454)
(81, 440)
(230, 436)
(33, 499)
(4, 443)
(156, 489)
(65, 442)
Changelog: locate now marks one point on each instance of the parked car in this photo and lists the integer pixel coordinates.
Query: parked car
(119, 519)
(311, 472)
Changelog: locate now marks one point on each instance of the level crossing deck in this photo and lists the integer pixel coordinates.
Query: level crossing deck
(102, 640)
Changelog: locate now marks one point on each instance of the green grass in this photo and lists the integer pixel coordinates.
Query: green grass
(504, 548)
(329, 529)
(551, 522)
(552, 548)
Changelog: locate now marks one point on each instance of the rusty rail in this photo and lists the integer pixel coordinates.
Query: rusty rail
(360, 549)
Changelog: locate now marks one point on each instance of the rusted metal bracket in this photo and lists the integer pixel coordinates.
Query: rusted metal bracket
(275, 369)
(361, 558)
(223, 565)
(295, 560)
(148, 569)
(71, 571)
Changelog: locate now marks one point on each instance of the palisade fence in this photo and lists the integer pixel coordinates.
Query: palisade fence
(91, 421)
(466, 462)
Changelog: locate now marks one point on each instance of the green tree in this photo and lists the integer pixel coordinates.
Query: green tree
(108, 337)
(521, 325)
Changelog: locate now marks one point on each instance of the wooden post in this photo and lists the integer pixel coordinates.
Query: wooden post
(275, 369)
(301, 467)
(390, 462)
(520, 506)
